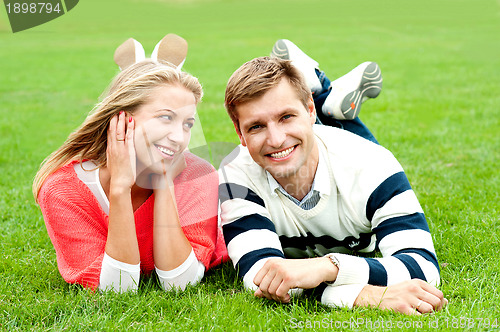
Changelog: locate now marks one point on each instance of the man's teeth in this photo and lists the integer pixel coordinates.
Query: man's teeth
(165, 150)
(282, 154)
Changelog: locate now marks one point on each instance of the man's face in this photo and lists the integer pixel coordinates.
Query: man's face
(277, 130)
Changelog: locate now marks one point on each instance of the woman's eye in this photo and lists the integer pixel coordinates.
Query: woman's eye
(166, 117)
(189, 125)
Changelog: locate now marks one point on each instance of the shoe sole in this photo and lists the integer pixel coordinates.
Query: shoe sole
(369, 87)
(283, 49)
(280, 50)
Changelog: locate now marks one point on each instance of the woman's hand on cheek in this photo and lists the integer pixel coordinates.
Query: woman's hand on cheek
(121, 160)
(159, 181)
(178, 165)
(170, 172)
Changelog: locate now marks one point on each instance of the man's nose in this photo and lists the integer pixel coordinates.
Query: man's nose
(275, 136)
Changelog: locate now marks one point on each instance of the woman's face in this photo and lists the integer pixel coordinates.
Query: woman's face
(163, 127)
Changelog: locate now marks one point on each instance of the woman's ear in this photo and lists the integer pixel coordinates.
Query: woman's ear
(128, 53)
(172, 48)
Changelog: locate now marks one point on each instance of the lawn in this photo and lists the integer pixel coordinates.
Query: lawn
(438, 113)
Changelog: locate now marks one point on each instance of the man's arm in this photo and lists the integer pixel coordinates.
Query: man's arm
(403, 237)
(251, 242)
(256, 253)
(255, 248)
(396, 219)
(249, 234)
(404, 240)
(405, 291)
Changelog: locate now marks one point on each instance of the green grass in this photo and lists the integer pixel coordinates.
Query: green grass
(438, 113)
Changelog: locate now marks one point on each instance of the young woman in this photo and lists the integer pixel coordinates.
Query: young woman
(122, 196)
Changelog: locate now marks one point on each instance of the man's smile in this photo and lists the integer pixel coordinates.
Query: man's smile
(282, 154)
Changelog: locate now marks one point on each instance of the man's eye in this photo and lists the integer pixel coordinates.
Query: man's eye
(254, 127)
(288, 116)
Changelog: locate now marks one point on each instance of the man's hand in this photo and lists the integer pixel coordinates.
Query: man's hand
(412, 297)
(278, 276)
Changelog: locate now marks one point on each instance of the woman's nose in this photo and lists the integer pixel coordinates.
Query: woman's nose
(176, 133)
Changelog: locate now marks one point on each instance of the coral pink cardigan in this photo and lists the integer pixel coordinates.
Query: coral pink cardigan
(78, 227)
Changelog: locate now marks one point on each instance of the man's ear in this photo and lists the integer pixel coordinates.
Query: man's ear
(312, 110)
(238, 131)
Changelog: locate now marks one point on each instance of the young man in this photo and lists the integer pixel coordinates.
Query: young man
(299, 199)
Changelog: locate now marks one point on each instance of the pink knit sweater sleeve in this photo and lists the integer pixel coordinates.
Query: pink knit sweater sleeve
(196, 191)
(76, 226)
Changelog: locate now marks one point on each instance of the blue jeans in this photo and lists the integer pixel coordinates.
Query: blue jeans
(354, 126)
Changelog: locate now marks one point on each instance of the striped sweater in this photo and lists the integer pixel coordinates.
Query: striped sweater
(370, 206)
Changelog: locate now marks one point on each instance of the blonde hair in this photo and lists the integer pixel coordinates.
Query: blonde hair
(129, 89)
(255, 77)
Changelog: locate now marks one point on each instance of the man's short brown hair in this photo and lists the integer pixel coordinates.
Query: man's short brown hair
(255, 77)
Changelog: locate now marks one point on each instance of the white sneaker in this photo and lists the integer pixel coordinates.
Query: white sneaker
(286, 50)
(351, 90)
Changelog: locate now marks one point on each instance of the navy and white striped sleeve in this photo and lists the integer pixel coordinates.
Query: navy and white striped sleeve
(402, 236)
(249, 234)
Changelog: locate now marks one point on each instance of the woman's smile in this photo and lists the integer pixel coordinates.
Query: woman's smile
(167, 152)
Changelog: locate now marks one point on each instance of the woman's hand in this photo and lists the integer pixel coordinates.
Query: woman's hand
(178, 165)
(121, 243)
(120, 152)
(162, 181)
